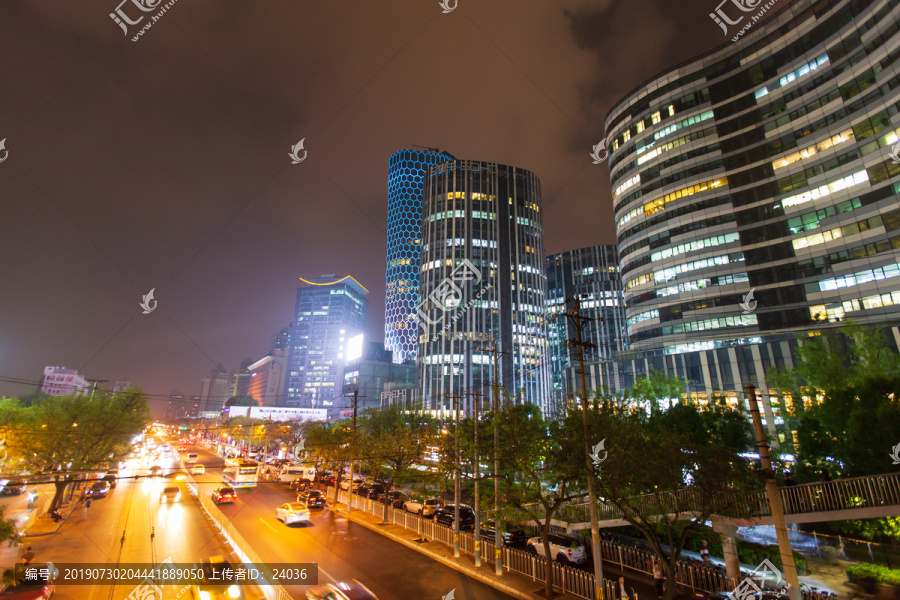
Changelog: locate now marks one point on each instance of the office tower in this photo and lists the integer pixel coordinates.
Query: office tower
(756, 195)
(241, 378)
(328, 312)
(267, 377)
(215, 389)
(406, 175)
(591, 274)
(371, 369)
(483, 277)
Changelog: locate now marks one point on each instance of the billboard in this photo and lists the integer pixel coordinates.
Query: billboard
(277, 413)
(354, 348)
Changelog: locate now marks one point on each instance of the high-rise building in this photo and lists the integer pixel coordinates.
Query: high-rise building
(406, 176)
(756, 196)
(282, 339)
(175, 407)
(328, 312)
(215, 389)
(369, 373)
(591, 274)
(60, 381)
(241, 378)
(483, 277)
(267, 376)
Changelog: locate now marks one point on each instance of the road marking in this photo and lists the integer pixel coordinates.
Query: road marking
(267, 525)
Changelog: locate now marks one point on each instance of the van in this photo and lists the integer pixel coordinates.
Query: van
(292, 472)
(192, 458)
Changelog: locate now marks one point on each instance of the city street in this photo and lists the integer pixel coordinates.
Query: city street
(343, 550)
(130, 526)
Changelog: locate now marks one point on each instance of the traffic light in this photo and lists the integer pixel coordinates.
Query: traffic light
(183, 428)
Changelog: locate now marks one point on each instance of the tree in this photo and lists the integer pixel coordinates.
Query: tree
(843, 389)
(389, 443)
(543, 475)
(241, 400)
(69, 435)
(667, 472)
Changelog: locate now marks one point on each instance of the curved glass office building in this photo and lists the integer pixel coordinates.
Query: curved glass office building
(483, 278)
(406, 176)
(756, 194)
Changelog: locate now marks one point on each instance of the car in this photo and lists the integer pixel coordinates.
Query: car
(564, 548)
(425, 508)
(155, 471)
(211, 586)
(300, 484)
(170, 494)
(312, 499)
(182, 449)
(39, 589)
(341, 591)
(292, 512)
(198, 470)
(446, 515)
(223, 494)
(345, 483)
(192, 458)
(112, 479)
(98, 489)
(328, 480)
(370, 490)
(394, 498)
(511, 537)
(12, 487)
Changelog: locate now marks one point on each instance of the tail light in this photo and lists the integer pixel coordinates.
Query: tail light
(569, 551)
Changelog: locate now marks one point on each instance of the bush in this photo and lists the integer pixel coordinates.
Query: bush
(877, 572)
(754, 554)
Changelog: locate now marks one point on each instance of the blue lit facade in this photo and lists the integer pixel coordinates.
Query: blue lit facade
(406, 177)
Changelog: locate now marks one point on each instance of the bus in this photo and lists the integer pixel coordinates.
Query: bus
(241, 472)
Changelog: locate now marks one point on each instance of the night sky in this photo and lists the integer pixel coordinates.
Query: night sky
(163, 163)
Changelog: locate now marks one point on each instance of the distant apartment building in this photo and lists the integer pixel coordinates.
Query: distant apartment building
(215, 389)
(266, 380)
(327, 314)
(60, 381)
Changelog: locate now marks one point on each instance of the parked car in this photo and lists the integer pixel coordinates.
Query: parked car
(170, 494)
(292, 512)
(38, 589)
(223, 494)
(511, 537)
(342, 591)
(312, 499)
(371, 490)
(12, 487)
(98, 489)
(112, 479)
(394, 498)
(564, 548)
(425, 508)
(345, 483)
(446, 515)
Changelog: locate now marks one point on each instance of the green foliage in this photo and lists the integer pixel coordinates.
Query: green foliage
(753, 554)
(870, 529)
(242, 401)
(857, 376)
(877, 572)
(390, 442)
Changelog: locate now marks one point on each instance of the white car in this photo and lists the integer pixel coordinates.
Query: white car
(198, 470)
(564, 548)
(192, 458)
(345, 484)
(292, 512)
(426, 508)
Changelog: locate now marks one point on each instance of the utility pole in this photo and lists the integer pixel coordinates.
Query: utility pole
(777, 510)
(579, 345)
(456, 483)
(95, 382)
(356, 398)
(498, 537)
(475, 396)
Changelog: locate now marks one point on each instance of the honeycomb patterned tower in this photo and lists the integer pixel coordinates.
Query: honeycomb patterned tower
(406, 176)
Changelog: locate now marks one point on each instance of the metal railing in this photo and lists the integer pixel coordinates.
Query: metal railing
(845, 494)
(565, 578)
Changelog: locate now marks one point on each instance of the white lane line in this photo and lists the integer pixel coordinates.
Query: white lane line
(267, 525)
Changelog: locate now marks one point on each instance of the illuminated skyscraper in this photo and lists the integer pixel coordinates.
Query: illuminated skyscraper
(404, 230)
(483, 277)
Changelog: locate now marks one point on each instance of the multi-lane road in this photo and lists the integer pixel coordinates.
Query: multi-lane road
(343, 549)
(130, 525)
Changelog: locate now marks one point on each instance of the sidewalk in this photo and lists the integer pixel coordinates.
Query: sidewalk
(514, 584)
